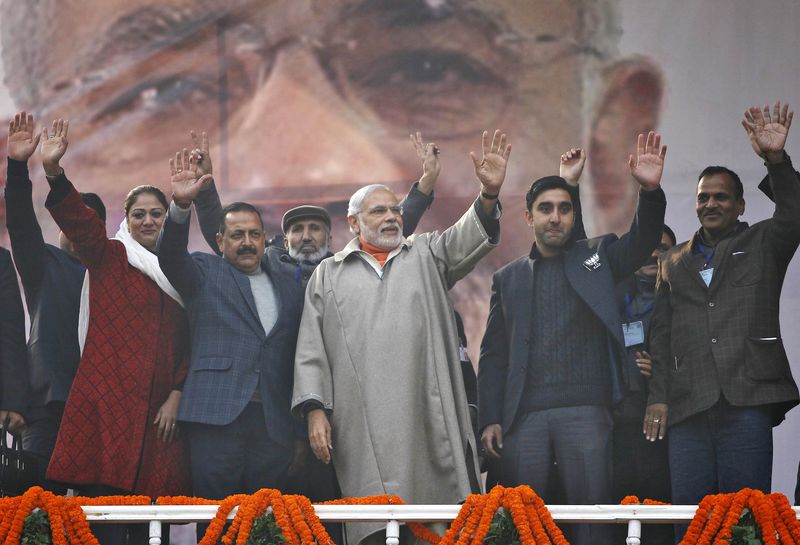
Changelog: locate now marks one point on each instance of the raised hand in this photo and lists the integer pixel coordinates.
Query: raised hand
(54, 146)
(429, 153)
(187, 182)
(201, 154)
(571, 167)
(21, 140)
(491, 168)
(768, 131)
(648, 165)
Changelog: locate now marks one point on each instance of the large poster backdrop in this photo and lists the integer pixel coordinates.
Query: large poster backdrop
(305, 101)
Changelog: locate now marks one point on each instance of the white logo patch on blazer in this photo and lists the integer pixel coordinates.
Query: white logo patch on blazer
(593, 263)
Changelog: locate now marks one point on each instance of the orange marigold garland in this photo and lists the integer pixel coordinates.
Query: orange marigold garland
(296, 518)
(718, 513)
(68, 525)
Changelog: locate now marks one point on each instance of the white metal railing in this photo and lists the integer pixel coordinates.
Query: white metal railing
(393, 515)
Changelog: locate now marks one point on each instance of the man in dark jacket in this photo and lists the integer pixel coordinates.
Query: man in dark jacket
(51, 279)
(13, 383)
(552, 352)
(721, 378)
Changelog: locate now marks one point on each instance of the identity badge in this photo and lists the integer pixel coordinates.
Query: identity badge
(633, 333)
(462, 354)
(707, 275)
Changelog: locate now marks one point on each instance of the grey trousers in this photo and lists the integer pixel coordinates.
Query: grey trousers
(576, 442)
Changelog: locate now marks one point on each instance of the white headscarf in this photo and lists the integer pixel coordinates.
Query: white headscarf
(140, 258)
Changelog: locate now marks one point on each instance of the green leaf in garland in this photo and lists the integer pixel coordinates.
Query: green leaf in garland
(502, 531)
(265, 531)
(747, 531)
(36, 530)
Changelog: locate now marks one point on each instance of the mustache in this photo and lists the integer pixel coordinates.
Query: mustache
(245, 250)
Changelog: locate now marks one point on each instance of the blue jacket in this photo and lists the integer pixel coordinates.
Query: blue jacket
(231, 353)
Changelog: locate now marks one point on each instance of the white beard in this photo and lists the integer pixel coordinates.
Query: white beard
(376, 238)
(314, 257)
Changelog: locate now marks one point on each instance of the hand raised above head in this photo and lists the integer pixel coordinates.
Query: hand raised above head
(571, 167)
(201, 153)
(186, 180)
(648, 165)
(491, 168)
(54, 146)
(768, 131)
(429, 153)
(21, 140)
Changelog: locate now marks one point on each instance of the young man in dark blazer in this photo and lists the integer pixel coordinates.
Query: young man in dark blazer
(552, 353)
(721, 379)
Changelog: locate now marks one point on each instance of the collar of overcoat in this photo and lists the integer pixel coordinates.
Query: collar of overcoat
(355, 247)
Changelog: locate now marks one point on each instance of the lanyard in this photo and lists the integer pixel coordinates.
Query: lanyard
(708, 253)
(629, 301)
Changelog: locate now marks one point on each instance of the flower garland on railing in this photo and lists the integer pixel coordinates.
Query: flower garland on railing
(300, 525)
(718, 514)
(294, 515)
(68, 525)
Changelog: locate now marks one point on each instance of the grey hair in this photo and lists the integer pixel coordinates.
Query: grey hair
(357, 200)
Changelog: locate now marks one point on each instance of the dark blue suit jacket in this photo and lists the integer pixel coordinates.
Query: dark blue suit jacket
(231, 353)
(52, 281)
(504, 350)
(13, 379)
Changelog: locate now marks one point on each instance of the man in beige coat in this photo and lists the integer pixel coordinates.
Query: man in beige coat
(377, 369)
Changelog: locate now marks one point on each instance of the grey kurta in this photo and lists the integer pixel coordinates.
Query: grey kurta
(381, 355)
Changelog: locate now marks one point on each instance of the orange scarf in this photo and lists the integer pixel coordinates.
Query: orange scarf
(378, 253)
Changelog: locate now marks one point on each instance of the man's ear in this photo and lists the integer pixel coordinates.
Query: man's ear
(741, 207)
(528, 218)
(629, 104)
(219, 242)
(353, 222)
(285, 242)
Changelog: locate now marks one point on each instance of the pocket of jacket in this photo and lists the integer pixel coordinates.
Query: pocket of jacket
(212, 364)
(765, 359)
(745, 267)
(680, 378)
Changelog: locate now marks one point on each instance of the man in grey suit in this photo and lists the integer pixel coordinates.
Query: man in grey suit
(552, 353)
(721, 379)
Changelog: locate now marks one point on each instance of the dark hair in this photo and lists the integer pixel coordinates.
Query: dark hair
(738, 188)
(671, 234)
(93, 201)
(545, 184)
(238, 207)
(134, 193)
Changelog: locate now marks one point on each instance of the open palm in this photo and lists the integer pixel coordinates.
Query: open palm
(21, 141)
(187, 181)
(491, 169)
(648, 165)
(54, 144)
(769, 130)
